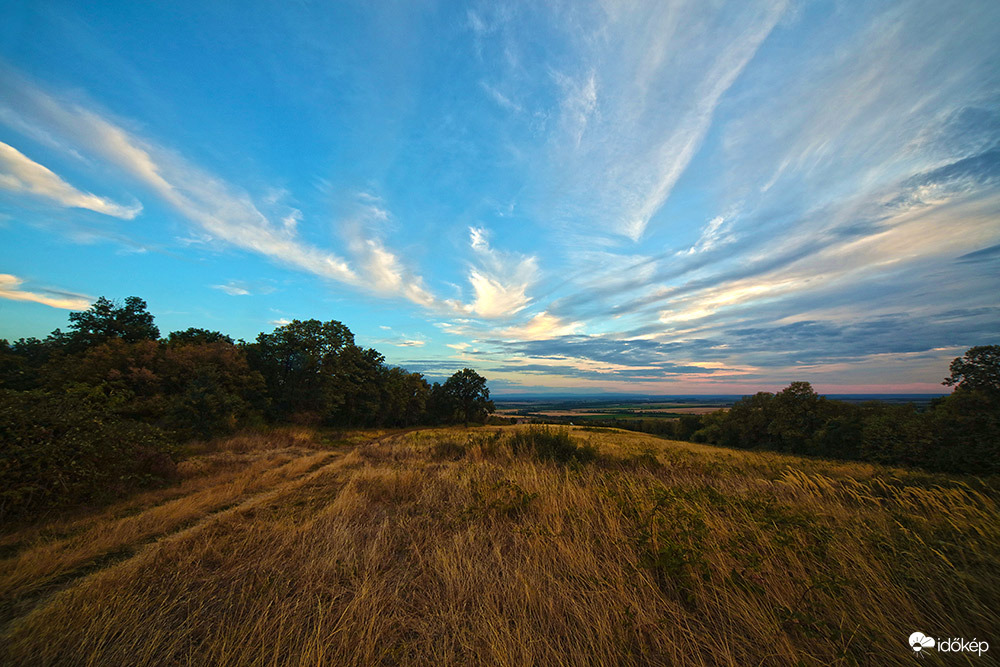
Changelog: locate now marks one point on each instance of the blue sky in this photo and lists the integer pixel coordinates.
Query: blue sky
(647, 197)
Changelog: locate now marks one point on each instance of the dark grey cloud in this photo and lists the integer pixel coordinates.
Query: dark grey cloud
(989, 254)
(969, 130)
(815, 341)
(658, 370)
(804, 342)
(608, 349)
(961, 176)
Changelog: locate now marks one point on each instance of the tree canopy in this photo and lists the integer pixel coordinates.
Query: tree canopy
(109, 399)
(467, 389)
(977, 370)
(197, 336)
(129, 321)
(201, 382)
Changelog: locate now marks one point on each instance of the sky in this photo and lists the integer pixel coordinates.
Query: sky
(660, 197)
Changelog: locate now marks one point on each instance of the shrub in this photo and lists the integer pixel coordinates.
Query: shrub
(448, 450)
(504, 499)
(551, 445)
(71, 448)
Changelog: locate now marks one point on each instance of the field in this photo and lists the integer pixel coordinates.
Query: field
(595, 409)
(507, 546)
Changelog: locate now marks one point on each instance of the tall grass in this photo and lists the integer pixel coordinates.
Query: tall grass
(508, 547)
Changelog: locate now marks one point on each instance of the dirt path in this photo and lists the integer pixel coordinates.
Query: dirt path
(36, 594)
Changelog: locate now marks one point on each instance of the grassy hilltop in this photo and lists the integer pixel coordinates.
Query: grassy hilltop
(507, 546)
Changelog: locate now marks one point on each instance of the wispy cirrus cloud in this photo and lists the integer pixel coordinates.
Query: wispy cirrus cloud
(10, 288)
(383, 269)
(233, 289)
(638, 109)
(243, 288)
(222, 211)
(876, 170)
(21, 174)
(501, 99)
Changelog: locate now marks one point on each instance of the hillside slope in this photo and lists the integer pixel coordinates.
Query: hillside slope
(509, 546)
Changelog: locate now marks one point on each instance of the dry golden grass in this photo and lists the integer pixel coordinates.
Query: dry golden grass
(442, 547)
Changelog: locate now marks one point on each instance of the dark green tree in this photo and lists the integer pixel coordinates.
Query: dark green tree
(467, 389)
(417, 394)
(195, 335)
(130, 322)
(440, 406)
(68, 447)
(355, 387)
(895, 434)
(747, 424)
(299, 361)
(208, 388)
(977, 370)
(796, 417)
(967, 423)
(404, 397)
(22, 361)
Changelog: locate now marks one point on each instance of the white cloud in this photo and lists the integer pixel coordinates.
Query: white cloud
(478, 240)
(711, 236)
(675, 153)
(220, 210)
(10, 288)
(477, 24)
(579, 103)
(911, 237)
(541, 327)
(826, 200)
(233, 289)
(500, 281)
(854, 121)
(19, 173)
(501, 99)
(292, 220)
(494, 298)
(642, 102)
(380, 268)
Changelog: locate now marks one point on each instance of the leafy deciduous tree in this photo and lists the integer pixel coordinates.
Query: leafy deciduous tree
(197, 336)
(977, 370)
(130, 322)
(467, 389)
(298, 361)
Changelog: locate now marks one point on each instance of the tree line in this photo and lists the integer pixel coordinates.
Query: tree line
(103, 405)
(958, 433)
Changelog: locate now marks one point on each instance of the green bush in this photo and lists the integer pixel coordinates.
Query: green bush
(503, 499)
(448, 450)
(62, 449)
(550, 445)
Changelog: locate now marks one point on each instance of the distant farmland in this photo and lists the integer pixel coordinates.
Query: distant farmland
(588, 410)
(666, 412)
